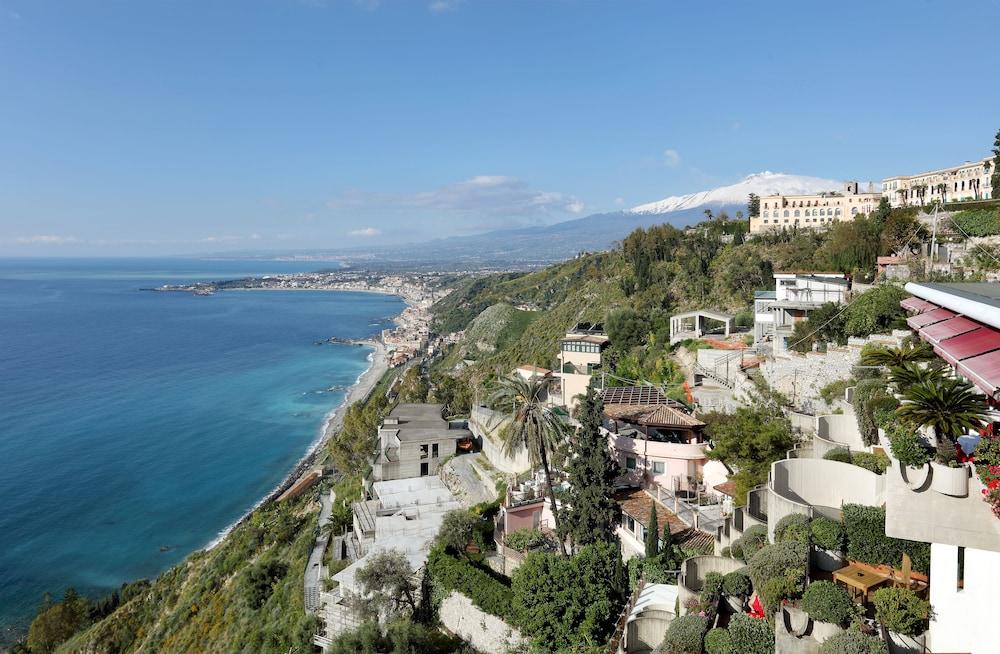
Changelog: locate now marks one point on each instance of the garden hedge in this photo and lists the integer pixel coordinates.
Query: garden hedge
(751, 635)
(684, 635)
(841, 454)
(828, 533)
(485, 591)
(853, 642)
(793, 527)
(718, 641)
(867, 542)
(827, 602)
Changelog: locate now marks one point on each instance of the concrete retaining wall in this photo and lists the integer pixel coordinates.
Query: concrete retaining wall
(840, 429)
(694, 571)
(486, 426)
(797, 484)
(485, 632)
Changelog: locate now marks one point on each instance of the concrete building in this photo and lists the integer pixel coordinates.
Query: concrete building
(817, 211)
(967, 181)
(796, 295)
(403, 515)
(580, 359)
(413, 440)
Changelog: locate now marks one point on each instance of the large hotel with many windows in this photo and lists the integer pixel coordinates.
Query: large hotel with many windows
(968, 181)
(812, 211)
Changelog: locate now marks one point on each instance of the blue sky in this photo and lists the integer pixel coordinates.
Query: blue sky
(151, 127)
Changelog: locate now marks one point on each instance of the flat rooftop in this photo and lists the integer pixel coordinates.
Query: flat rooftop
(421, 422)
(414, 491)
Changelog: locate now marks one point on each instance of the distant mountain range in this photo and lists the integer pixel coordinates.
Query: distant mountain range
(545, 244)
(541, 245)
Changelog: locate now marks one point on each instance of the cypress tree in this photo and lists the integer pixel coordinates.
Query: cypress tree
(995, 178)
(652, 535)
(593, 513)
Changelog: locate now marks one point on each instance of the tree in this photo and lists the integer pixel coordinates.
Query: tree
(56, 623)
(413, 387)
(458, 527)
(652, 534)
(425, 608)
(738, 271)
(533, 426)
(753, 205)
(626, 328)
(875, 310)
(566, 602)
(949, 407)
(387, 587)
(995, 178)
(896, 356)
(593, 513)
(749, 440)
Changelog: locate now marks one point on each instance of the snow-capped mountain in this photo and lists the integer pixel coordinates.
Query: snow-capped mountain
(765, 183)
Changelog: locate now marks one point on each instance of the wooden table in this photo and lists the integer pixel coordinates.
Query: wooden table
(859, 581)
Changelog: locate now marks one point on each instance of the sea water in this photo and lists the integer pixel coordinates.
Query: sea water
(136, 426)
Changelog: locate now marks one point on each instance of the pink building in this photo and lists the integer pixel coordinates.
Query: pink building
(656, 441)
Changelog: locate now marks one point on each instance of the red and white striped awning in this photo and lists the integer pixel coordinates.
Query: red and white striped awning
(929, 318)
(983, 371)
(968, 345)
(917, 305)
(942, 331)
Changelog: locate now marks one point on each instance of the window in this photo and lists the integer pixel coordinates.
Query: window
(630, 463)
(796, 213)
(423, 451)
(657, 467)
(786, 214)
(960, 571)
(434, 451)
(629, 523)
(424, 470)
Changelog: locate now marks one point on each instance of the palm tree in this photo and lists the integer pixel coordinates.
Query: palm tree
(908, 373)
(896, 356)
(533, 426)
(950, 407)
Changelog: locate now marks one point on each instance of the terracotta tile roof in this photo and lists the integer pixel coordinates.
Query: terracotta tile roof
(659, 415)
(637, 503)
(726, 488)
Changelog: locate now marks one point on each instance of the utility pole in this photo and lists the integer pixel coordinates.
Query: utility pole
(930, 255)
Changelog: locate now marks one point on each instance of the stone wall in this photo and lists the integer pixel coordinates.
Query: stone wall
(485, 632)
(802, 376)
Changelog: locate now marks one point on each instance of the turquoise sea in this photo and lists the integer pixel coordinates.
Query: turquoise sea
(136, 426)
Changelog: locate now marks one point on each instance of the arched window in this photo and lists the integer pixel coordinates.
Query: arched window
(786, 213)
(796, 213)
(854, 210)
(838, 212)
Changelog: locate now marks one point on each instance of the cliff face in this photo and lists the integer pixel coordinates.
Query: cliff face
(244, 595)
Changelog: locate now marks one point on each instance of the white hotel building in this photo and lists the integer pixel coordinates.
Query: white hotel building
(967, 181)
(817, 211)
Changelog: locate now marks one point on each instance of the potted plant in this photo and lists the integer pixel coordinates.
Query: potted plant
(950, 408)
(912, 454)
(830, 608)
(829, 539)
(904, 617)
(737, 588)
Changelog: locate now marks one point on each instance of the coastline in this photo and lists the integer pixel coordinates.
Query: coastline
(334, 420)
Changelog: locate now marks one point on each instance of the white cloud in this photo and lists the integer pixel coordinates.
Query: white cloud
(44, 239)
(441, 6)
(482, 195)
(366, 232)
(671, 157)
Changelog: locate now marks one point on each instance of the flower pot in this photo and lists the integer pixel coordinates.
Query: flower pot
(900, 644)
(950, 481)
(823, 630)
(794, 620)
(914, 478)
(828, 560)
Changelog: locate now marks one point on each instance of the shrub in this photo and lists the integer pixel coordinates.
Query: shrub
(525, 539)
(876, 462)
(827, 602)
(726, 552)
(781, 560)
(828, 533)
(867, 542)
(718, 641)
(684, 635)
(751, 635)
(793, 527)
(853, 642)
(775, 590)
(907, 446)
(979, 222)
(737, 584)
(736, 549)
(480, 586)
(713, 586)
(901, 611)
(753, 540)
(835, 390)
(841, 454)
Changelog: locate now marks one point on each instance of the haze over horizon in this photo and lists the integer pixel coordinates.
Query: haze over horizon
(186, 127)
